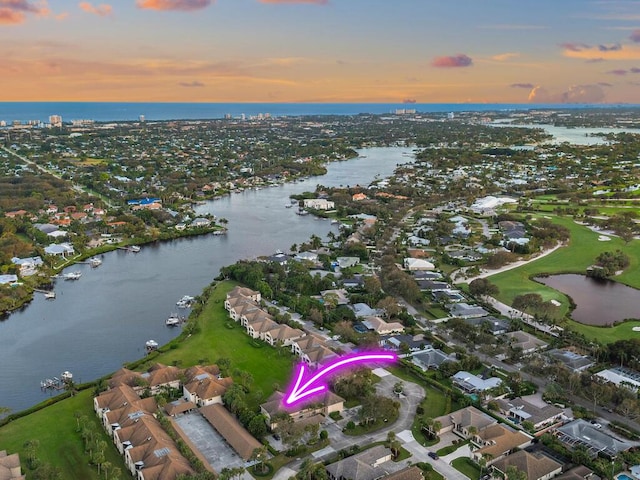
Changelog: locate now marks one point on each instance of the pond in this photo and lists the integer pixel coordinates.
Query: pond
(597, 302)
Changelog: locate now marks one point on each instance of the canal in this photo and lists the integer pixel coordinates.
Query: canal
(103, 320)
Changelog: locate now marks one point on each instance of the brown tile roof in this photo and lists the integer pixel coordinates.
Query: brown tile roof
(124, 376)
(209, 387)
(160, 374)
(129, 414)
(273, 405)
(467, 417)
(409, 473)
(500, 440)
(234, 433)
(535, 466)
(241, 291)
(285, 332)
(196, 370)
(120, 397)
(179, 406)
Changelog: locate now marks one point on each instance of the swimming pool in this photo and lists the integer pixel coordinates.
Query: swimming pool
(624, 476)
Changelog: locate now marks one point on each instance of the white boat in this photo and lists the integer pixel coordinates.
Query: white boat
(50, 295)
(134, 248)
(72, 275)
(173, 321)
(151, 345)
(95, 262)
(185, 302)
(66, 376)
(288, 205)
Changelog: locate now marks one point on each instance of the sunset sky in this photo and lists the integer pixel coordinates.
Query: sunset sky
(430, 51)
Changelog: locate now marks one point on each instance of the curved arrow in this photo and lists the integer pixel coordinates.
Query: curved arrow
(314, 385)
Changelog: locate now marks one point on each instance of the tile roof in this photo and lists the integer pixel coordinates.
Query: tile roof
(234, 433)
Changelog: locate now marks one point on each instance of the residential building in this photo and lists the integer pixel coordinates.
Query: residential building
(581, 432)
(399, 342)
(203, 386)
(496, 326)
(470, 383)
(273, 407)
(537, 466)
(231, 430)
(429, 358)
(318, 204)
(496, 441)
(10, 466)
(621, 376)
(525, 342)
(378, 325)
(371, 464)
(464, 310)
(465, 422)
(573, 361)
(519, 410)
(415, 264)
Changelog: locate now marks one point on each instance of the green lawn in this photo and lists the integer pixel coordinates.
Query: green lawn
(466, 466)
(581, 252)
(267, 365)
(622, 331)
(60, 444)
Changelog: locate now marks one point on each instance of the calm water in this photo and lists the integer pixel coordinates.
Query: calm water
(597, 302)
(574, 136)
(103, 320)
(106, 112)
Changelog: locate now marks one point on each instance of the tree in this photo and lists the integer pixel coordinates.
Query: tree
(259, 455)
(512, 473)
(482, 286)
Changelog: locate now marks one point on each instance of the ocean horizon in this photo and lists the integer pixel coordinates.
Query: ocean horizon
(157, 111)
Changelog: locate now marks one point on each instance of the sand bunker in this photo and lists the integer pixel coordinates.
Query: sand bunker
(603, 238)
(636, 329)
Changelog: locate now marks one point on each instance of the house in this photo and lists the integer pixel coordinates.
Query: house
(424, 275)
(347, 262)
(537, 466)
(340, 295)
(279, 258)
(357, 197)
(157, 378)
(448, 296)
(470, 383)
(200, 222)
(378, 325)
(306, 257)
(491, 324)
(367, 465)
(312, 350)
(231, 430)
(325, 405)
(525, 341)
(573, 361)
(496, 441)
(242, 292)
(8, 278)
(398, 342)
(579, 473)
(621, 376)
(357, 281)
(581, 432)
(10, 466)
(414, 264)
(318, 204)
(464, 422)
(203, 386)
(519, 410)
(433, 285)
(363, 310)
(60, 249)
(464, 310)
(409, 473)
(429, 358)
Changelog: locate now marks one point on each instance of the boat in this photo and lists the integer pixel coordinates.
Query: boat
(288, 205)
(185, 302)
(95, 262)
(72, 275)
(67, 376)
(134, 248)
(151, 345)
(173, 321)
(50, 295)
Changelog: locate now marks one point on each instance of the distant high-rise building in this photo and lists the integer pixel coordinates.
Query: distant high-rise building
(55, 120)
(3, 123)
(141, 118)
(243, 116)
(451, 115)
(227, 116)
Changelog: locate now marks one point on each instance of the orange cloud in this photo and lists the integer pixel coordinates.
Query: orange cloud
(502, 57)
(585, 52)
(102, 10)
(453, 61)
(316, 2)
(13, 12)
(182, 5)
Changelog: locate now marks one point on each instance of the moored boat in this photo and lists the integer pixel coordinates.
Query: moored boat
(72, 275)
(50, 295)
(95, 262)
(134, 248)
(151, 345)
(173, 321)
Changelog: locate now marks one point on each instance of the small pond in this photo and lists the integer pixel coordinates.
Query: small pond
(598, 302)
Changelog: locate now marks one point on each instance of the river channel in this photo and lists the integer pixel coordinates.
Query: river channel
(103, 320)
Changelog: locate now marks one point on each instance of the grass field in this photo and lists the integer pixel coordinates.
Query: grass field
(60, 445)
(465, 466)
(581, 252)
(267, 365)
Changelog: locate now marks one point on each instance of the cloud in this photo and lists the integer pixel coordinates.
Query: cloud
(575, 47)
(609, 48)
(181, 5)
(316, 2)
(501, 57)
(453, 61)
(195, 83)
(619, 72)
(594, 60)
(635, 36)
(585, 52)
(605, 84)
(634, 70)
(103, 10)
(590, 93)
(13, 12)
(528, 86)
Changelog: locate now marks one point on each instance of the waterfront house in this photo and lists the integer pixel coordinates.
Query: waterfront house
(347, 262)
(318, 204)
(59, 249)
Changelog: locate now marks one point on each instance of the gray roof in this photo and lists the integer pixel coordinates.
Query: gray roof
(571, 360)
(430, 358)
(363, 466)
(581, 432)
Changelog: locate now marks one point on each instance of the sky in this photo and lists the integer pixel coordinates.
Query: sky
(386, 51)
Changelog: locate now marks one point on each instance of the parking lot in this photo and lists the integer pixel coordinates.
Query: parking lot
(212, 446)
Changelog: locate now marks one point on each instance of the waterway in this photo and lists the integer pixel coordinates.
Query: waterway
(598, 302)
(103, 320)
(574, 136)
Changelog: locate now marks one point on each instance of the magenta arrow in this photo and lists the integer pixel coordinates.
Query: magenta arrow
(314, 385)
